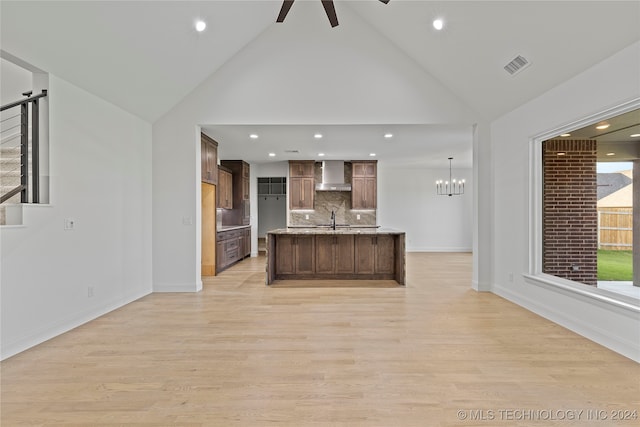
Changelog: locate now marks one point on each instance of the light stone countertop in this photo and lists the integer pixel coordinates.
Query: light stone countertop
(339, 230)
(231, 227)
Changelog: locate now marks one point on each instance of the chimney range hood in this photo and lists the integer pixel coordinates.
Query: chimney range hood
(333, 177)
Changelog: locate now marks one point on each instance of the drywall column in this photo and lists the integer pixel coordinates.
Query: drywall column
(482, 274)
(636, 222)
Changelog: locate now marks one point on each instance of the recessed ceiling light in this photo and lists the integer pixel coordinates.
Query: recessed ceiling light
(253, 136)
(603, 126)
(320, 154)
(272, 154)
(317, 136)
(635, 135)
(561, 153)
(564, 135)
(372, 154)
(388, 135)
(200, 26)
(438, 24)
(611, 154)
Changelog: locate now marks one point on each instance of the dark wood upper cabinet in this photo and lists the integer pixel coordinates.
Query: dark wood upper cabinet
(225, 189)
(364, 185)
(240, 172)
(303, 168)
(364, 168)
(208, 159)
(302, 185)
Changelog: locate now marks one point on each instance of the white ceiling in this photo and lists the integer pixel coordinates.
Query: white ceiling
(411, 145)
(145, 56)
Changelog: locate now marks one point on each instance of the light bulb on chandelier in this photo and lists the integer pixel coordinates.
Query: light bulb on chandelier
(451, 187)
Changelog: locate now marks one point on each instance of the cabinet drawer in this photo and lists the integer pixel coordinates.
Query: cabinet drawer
(231, 244)
(233, 254)
(228, 235)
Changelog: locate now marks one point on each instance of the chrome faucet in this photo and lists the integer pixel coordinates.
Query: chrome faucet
(333, 220)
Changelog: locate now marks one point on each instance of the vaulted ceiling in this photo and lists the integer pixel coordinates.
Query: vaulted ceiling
(146, 56)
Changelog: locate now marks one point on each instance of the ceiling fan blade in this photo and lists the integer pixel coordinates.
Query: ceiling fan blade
(331, 12)
(286, 5)
(385, 1)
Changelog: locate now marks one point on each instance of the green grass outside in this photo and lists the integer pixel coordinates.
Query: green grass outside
(615, 265)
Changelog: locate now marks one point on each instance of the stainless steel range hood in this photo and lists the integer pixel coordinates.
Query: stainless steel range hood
(333, 177)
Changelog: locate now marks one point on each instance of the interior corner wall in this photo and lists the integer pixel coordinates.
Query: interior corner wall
(608, 84)
(55, 279)
(407, 201)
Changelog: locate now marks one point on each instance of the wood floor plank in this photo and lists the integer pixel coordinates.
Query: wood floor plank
(240, 353)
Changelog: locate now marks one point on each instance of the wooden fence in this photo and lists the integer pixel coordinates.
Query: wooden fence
(615, 229)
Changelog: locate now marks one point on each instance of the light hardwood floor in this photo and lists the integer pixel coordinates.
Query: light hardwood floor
(242, 354)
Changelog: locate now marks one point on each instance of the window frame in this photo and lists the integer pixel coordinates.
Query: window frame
(535, 276)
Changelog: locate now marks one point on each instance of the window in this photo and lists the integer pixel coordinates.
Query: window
(570, 243)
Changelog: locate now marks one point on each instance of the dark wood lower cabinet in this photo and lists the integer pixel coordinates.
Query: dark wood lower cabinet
(231, 247)
(295, 254)
(375, 254)
(336, 256)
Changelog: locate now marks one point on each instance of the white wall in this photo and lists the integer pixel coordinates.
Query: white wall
(293, 74)
(407, 201)
(606, 85)
(15, 80)
(101, 178)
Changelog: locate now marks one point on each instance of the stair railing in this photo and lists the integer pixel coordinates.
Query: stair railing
(23, 188)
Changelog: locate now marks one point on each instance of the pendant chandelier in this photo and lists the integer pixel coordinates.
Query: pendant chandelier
(451, 187)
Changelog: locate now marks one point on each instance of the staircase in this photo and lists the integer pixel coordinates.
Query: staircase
(19, 127)
(9, 167)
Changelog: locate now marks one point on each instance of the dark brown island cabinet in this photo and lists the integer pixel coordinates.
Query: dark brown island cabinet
(311, 254)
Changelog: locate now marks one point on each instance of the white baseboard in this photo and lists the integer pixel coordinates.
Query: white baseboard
(588, 330)
(177, 287)
(439, 249)
(65, 325)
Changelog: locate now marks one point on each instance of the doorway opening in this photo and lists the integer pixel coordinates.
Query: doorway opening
(272, 207)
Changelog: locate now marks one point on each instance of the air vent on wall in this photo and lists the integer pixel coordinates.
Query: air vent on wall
(518, 64)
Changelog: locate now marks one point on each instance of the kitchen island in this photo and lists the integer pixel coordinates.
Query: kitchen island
(346, 253)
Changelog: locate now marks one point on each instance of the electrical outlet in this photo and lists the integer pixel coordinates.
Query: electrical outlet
(306, 216)
(187, 220)
(358, 217)
(90, 291)
(511, 277)
(69, 224)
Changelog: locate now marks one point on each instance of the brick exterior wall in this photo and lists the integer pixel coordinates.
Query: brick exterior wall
(570, 224)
